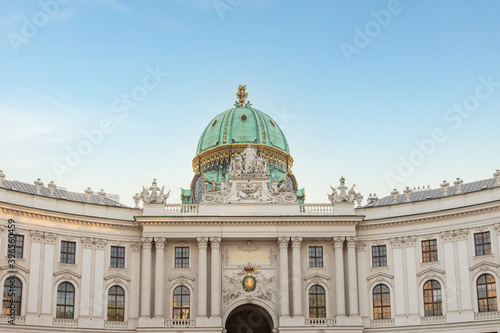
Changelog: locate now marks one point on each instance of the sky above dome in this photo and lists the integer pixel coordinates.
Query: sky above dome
(111, 94)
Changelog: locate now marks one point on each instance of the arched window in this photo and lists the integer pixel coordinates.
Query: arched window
(486, 293)
(381, 302)
(65, 301)
(13, 286)
(317, 302)
(116, 304)
(182, 300)
(432, 299)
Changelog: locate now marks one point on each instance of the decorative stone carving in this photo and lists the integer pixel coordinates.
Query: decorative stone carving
(202, 242)
(101, 195)
(458, 185)
(38, 185)
(462, 234)
(88, 193)
(372, 198)
(338, 241)
(445, 186)
(359, 199)
(249, 246)
(137, 199)
(2, 177)
(146, 242)
(410, 241)
(360, 246)
(87, 242)
(100, 243)
(351, 241)
(248, 164)
(154, 195)
(296, 241)
(447, 236)
(343, 195)
(135, 247)
(407, 192)
(283, 242)
(52, 188)
(36, 236)
(215, 242)
(496, 175)
(50, 238)
(395, 195)
(397, 242)
(265, 288)
(160, 242)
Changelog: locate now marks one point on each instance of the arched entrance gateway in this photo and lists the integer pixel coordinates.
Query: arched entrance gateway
(249, 318)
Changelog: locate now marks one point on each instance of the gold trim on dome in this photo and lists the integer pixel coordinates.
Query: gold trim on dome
(222, 154)
(261, 126)
(227, 121)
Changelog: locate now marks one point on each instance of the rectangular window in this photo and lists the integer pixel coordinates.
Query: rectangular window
(315, 256)
(379, 256)
(182, 257)
(19, 246)
(68, 250)
(117, 257)
(483, 243)
(429, 250)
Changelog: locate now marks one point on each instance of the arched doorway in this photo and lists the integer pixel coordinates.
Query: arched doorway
(249, 318)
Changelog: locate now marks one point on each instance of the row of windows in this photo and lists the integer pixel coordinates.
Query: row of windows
(117, 257)
(65, 306)
(482, 246)
(486, 296)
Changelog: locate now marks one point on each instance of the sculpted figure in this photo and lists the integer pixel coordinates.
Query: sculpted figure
(274, 186)
(250, 156)
(334, 196)
(261, 164)
(352, 194)
(238, 164)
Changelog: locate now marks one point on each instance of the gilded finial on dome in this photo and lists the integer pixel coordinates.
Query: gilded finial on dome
(242, 94)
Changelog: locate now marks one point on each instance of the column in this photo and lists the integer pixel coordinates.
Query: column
(297, 276)
(216, 277)
(399, 286)
(449, 266)
(87, 244)
(48, 271)
(352, 275)
(463, 268)
(159, 269)
(100, 248)
(34, 279)
(202, 276)
(283, 282)
(411, 276)
(135, 281)
(362, 287)
(338, 243)
(146, 277)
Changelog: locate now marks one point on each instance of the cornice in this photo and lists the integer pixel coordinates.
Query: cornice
(62, 217)
(444, 215)
(247, 220)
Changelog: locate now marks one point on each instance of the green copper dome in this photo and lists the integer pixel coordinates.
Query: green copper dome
(241, 125)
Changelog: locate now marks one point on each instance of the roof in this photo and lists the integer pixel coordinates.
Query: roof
(60, 194)
(242, 125)
(429, 194)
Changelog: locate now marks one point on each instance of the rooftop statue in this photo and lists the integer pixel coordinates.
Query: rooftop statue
(156, 196)
(248, 164)
(343, 194)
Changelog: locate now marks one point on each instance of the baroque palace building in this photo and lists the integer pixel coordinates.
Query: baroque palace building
(244, 253)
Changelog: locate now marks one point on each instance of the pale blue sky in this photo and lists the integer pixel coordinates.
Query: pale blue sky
(64, 66)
